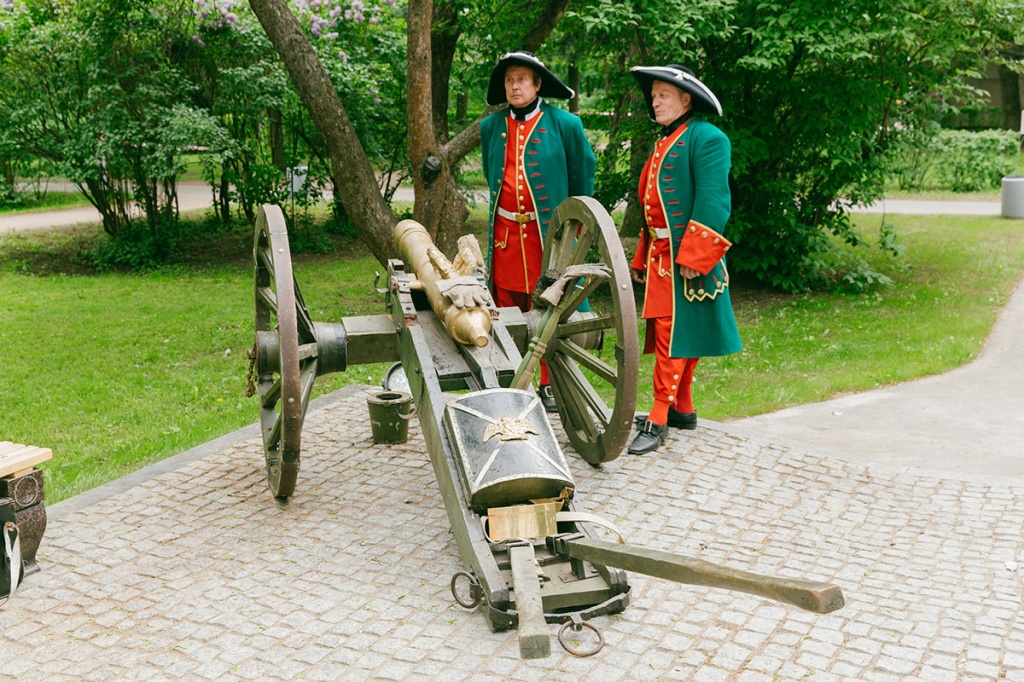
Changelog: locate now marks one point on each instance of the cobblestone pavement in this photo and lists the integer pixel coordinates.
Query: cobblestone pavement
(198, 574)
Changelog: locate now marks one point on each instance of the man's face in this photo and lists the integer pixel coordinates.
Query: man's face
(669, 102)
(520, 88)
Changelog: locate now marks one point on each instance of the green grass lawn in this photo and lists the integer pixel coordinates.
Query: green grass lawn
(116, 371)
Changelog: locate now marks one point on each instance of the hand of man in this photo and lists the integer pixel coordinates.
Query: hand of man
(639, 276)
(688, 273)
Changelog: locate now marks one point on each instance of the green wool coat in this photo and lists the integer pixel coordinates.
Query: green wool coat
(694, 188)
(558, 160)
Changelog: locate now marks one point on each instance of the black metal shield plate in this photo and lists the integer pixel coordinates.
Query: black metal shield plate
(505, 448)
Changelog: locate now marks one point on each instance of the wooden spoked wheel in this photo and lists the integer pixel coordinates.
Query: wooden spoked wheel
(582, 379)
(285, 351)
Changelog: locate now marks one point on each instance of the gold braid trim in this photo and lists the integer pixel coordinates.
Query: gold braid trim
(695, 293)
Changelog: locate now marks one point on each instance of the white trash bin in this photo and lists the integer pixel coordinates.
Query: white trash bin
(1013, 196)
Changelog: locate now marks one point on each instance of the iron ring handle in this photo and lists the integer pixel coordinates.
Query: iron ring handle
(576, 628)
(474, 590)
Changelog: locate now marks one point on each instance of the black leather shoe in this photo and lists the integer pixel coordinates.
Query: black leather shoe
(677, 420)
(547, 398)
(651, 436)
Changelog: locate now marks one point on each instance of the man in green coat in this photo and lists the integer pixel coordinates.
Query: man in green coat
(684, 189)
(534, 157)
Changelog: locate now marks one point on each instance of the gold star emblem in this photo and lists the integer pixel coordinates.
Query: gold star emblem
(509, 428)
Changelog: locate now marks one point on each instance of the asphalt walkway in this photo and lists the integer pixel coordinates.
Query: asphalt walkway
(191, 196)
(969, 421)
(190, 570)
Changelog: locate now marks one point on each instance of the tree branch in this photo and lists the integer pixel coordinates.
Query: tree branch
(466, 141)
(545, 24)
(355, 180)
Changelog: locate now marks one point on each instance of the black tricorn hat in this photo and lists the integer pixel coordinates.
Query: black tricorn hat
(701, 97)
(550, 86)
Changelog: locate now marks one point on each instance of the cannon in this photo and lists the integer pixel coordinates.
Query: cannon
(532, 558)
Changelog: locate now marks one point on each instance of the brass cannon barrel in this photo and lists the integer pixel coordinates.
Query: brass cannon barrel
(470, 326)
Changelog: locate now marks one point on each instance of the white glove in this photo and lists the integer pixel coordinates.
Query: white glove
(553, 294)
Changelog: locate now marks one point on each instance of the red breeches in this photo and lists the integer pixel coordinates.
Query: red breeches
(673, 377)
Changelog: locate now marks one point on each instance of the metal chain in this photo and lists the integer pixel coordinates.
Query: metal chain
(250, 378)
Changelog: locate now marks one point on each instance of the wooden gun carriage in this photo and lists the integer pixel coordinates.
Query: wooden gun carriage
(531, 557)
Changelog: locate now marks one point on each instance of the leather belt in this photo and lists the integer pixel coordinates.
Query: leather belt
(518, 217)
(659, 232)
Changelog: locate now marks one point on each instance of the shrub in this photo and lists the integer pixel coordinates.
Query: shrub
(911, 159)
(136, 248)
(971, 161)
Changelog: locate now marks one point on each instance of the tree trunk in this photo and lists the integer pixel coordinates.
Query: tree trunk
(439, 207)
(629, 106)
(461, 109)
(351, 169)
(444, 36)
(276, 141)
(1009, 87)
(545, 23)
(98, 193)
(223, 200)
(574, 83)
(7, 170)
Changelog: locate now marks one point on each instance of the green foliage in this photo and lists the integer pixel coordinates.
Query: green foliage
(812, 97)
(243, 83)
(87, 88)
(970, 161)
(854, 63)
(136, 248)
(925, 157)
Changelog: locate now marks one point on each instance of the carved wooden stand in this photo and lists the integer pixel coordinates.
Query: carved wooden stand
(23, 483)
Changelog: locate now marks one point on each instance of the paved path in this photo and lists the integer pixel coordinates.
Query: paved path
(191, 196)
(196, 195)
(921, 207)
(964, 422)
(196, 573)
(189, 570)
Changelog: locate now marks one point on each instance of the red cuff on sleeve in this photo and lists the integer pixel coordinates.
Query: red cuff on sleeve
(701, 248)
